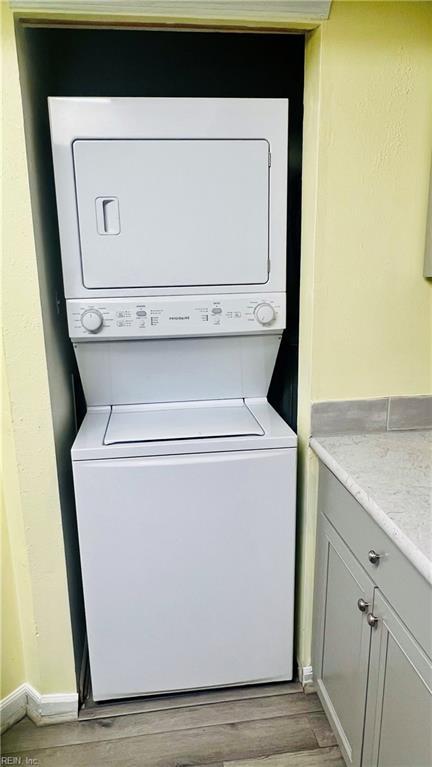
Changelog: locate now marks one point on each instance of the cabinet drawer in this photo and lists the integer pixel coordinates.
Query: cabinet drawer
(403, 586)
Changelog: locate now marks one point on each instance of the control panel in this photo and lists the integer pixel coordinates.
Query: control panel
(159, 317)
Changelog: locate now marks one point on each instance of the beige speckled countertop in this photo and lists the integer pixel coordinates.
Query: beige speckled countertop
(390, 475)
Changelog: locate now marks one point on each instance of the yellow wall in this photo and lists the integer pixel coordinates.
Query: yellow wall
(372, 329)
(366, 309)
(14, 567)
(12, 655)
(30, 478)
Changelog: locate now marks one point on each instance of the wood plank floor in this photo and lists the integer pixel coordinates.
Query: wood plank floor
(269, 726)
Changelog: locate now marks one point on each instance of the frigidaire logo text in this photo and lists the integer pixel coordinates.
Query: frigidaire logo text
(181, 317)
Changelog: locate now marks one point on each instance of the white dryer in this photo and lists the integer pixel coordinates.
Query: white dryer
(172, 217)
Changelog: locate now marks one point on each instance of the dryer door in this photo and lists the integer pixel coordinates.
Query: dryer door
(166, 213)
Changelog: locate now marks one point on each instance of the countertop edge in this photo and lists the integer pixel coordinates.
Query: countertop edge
(399, 538)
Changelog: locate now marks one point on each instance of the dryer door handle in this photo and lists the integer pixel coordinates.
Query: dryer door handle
(107, 215)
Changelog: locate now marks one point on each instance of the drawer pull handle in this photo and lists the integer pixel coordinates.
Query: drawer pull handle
(374, 558)
(372, 620)
(362, 605)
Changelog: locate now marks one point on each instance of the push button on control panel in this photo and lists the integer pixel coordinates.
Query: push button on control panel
(216, 310)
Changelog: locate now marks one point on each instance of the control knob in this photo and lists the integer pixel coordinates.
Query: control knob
(265, 314)
(92, 320)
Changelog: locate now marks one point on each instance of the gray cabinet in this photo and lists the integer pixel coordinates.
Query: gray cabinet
(398, 715)
(343, 638)
(373, 675)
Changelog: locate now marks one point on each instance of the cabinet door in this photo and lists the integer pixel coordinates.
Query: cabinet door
(342, 638)
(399, 703)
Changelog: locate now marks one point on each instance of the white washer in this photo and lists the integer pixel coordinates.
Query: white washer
(172, 217)
(187, 545)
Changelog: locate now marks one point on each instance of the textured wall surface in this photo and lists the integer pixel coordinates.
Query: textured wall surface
(31, 491)
(372, 306)
(12, 655)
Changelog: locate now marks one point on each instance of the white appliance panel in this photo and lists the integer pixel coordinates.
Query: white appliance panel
(175, 316)
(248, 219)
(176, 369)
(180, 420)
(164, 213)
(196, 557)
(89, 443)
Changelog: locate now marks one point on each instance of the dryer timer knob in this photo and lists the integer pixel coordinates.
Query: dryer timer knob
(265, 314)
(92, 320)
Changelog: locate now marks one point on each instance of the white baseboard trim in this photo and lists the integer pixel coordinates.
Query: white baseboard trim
(13, 707)
(55, 707)
(305, 675)
(42, 709)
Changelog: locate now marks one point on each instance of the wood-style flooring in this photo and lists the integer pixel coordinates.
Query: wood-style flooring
(260, 726)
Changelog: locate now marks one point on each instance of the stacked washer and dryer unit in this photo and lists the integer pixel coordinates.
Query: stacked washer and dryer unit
(172, 217)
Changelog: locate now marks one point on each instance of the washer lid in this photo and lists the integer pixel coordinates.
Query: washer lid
(180, 420)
